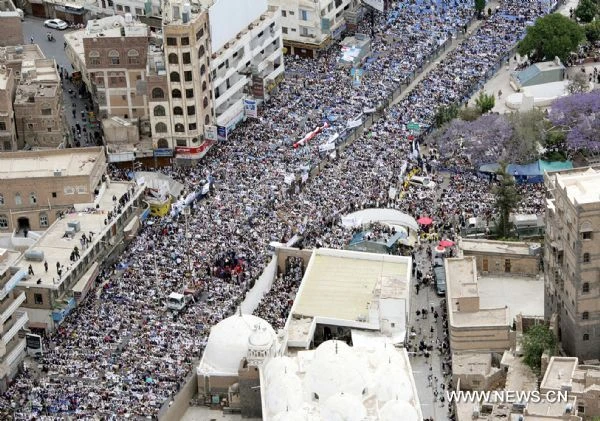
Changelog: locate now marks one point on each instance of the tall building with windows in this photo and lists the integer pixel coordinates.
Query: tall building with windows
(311, 25)
(8, 134)
(572, 259)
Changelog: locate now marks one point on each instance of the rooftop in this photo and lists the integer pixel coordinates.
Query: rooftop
(111, 27)
(523, 295)
(496, 247)
(27, 94)
(580, 184)
(559, 372)
(57, 247)
(34, 164)
(471, 363)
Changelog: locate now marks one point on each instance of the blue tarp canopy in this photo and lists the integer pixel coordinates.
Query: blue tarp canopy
(529, 173)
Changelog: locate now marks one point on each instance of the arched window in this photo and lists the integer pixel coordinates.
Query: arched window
(160, 128)
(173, 59)
(205, 102)
(133, 56)
(1, 199)
(158, 93)
(133, 53)
(203, 86)
(94, 54)
(179, 128)
(585, 288)
(585, 315)
(201, 51)
(94, 57)
(206, 119)
(3, 222)
(175, 77)
(159, 111)
(202, 69)
(163, 143)
(176, 93)
(113, 56)
(586, 258)
(177, 111)
(32, 198)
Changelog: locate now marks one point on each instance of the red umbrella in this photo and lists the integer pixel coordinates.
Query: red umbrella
(440, 249)
(446, 243)
(425, 220)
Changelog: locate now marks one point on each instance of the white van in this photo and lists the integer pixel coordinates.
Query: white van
(176, 301)
(423, 182)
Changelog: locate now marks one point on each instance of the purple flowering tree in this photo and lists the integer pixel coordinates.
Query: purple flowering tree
(579, 117)
(477, 142)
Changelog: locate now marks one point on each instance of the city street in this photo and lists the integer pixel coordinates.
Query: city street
(34, 28)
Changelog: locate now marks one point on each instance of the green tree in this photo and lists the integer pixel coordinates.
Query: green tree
(592, 31)
(479, 7)
(537, 340)
(485, 102)
(579, 83)
(469, 114)
(507, 199)
(527, 136)
(445, 114)
(586, 10)
(552, 36)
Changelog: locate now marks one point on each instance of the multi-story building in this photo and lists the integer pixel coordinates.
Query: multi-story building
(8, 134)
(572, 260)
(37, 100)
(37, 187)
(11, 28)
(311, 25)
(12, 321)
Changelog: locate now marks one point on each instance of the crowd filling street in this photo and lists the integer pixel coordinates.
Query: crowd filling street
(122, 353)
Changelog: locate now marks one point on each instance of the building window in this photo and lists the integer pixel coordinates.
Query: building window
(160, 128)
(43, 219)
(192, 126)
(179, 128)
(205, 102)
(284, 30)
(178, 111)
(203, 86)
(586, 336)
(54, 194)
(176, 93)
(199, 34)
(163, 144)
(158, 93)
(113, 55)
(585, 288)
(46, 111)
(585, 315)
(18, 200)
(189, 93)
(175, 77)
(3, 222)
(38, 299)
(303, 14)
(186, 58)
(187, 75)
(586, 235)
(206, 119)
(1, 199)
(32, 198)
(133, 57)
(2, 125)
(173, 59)
(139, 12)
(284, 13)
(185, 41)
(586, 258)
(201, 51)
(171, 41)
(202, 69)
(69, 190)
(127, 9)
(191, 110)
(159, 111)
(181, 142)
(119, 8)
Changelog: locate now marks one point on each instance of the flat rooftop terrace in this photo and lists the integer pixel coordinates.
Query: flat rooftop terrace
(57, 247)
(494, 247)
(521, 295)
(37, 164)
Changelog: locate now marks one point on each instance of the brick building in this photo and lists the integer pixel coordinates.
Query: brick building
(36, 187)
(8, 134)
(572, 260)
(11, 27)
(503, 257)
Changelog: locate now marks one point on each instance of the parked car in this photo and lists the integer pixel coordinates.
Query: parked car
(56, 24)
(440, 280)
(423, 182)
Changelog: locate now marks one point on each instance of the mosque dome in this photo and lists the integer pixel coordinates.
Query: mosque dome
(343, 407)
(229, 341)
(279, 366)
(284, 394)
(398, 410)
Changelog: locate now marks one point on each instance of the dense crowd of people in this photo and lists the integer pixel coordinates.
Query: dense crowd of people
(122, 353)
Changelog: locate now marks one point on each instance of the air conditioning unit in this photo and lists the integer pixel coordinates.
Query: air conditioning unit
(57, 172)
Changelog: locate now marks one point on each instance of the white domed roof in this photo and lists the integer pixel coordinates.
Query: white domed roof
(333, 371)
(261, 337)
(228, 344)
(284, 394)
(398, 410)
(343, 407)
(392, 384)
(279, 366)
(308, 412)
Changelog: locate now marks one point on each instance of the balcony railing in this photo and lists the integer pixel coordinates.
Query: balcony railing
(13, 350)
(12, 328)
(8, 308)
